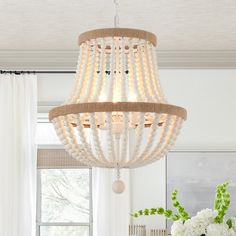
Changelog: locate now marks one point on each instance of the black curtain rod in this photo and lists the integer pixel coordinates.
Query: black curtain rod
(18, 72)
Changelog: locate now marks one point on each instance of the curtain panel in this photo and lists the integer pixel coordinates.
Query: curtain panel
(111, 211)
(18, 155)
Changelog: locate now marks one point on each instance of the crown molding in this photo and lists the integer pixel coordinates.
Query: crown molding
(67, 60)
(38, 60)
(44, 108)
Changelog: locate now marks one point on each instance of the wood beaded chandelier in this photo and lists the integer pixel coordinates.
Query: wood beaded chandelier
(117, 115)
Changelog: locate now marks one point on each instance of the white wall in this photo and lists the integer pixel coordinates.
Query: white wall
(148, 189)
(54, 87)
(210, 98)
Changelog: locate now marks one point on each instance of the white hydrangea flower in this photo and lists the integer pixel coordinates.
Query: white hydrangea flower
(203, 223)
(195, 226)
(207, 215)
(219, 230)
(178, 229)
(232, 232)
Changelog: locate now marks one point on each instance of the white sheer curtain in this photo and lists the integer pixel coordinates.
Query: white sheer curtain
(111, 212)
(18, 111)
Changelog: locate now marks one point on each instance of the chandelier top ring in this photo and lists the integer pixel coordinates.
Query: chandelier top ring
(118, 32)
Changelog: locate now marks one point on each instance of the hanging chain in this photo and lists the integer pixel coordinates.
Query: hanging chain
(117, 173)
(116, 17)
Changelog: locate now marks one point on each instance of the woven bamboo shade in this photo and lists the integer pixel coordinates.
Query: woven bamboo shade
(117, 95)
(56, 159)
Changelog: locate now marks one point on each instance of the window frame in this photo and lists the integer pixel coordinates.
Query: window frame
(39, 223)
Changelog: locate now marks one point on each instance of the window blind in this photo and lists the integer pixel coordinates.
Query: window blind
(56, 159)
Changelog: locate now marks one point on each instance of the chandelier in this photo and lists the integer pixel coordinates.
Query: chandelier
(117, 115)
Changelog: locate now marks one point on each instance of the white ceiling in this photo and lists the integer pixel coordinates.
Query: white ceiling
(179, 24)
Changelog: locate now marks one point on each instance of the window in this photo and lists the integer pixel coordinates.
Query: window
(46, 134)
(64, 188)
(64, 202)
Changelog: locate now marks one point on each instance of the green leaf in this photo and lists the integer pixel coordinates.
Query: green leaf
(176, 204)
(160, 211)
(153, 211)
(146, 212)
(175, 217)
(229, 223)
(168, 214)
(140, 212)
(135, 215)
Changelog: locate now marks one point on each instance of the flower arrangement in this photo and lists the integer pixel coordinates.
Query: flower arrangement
(207, 222)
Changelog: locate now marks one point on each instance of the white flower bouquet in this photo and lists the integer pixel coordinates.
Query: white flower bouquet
(207, 222)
